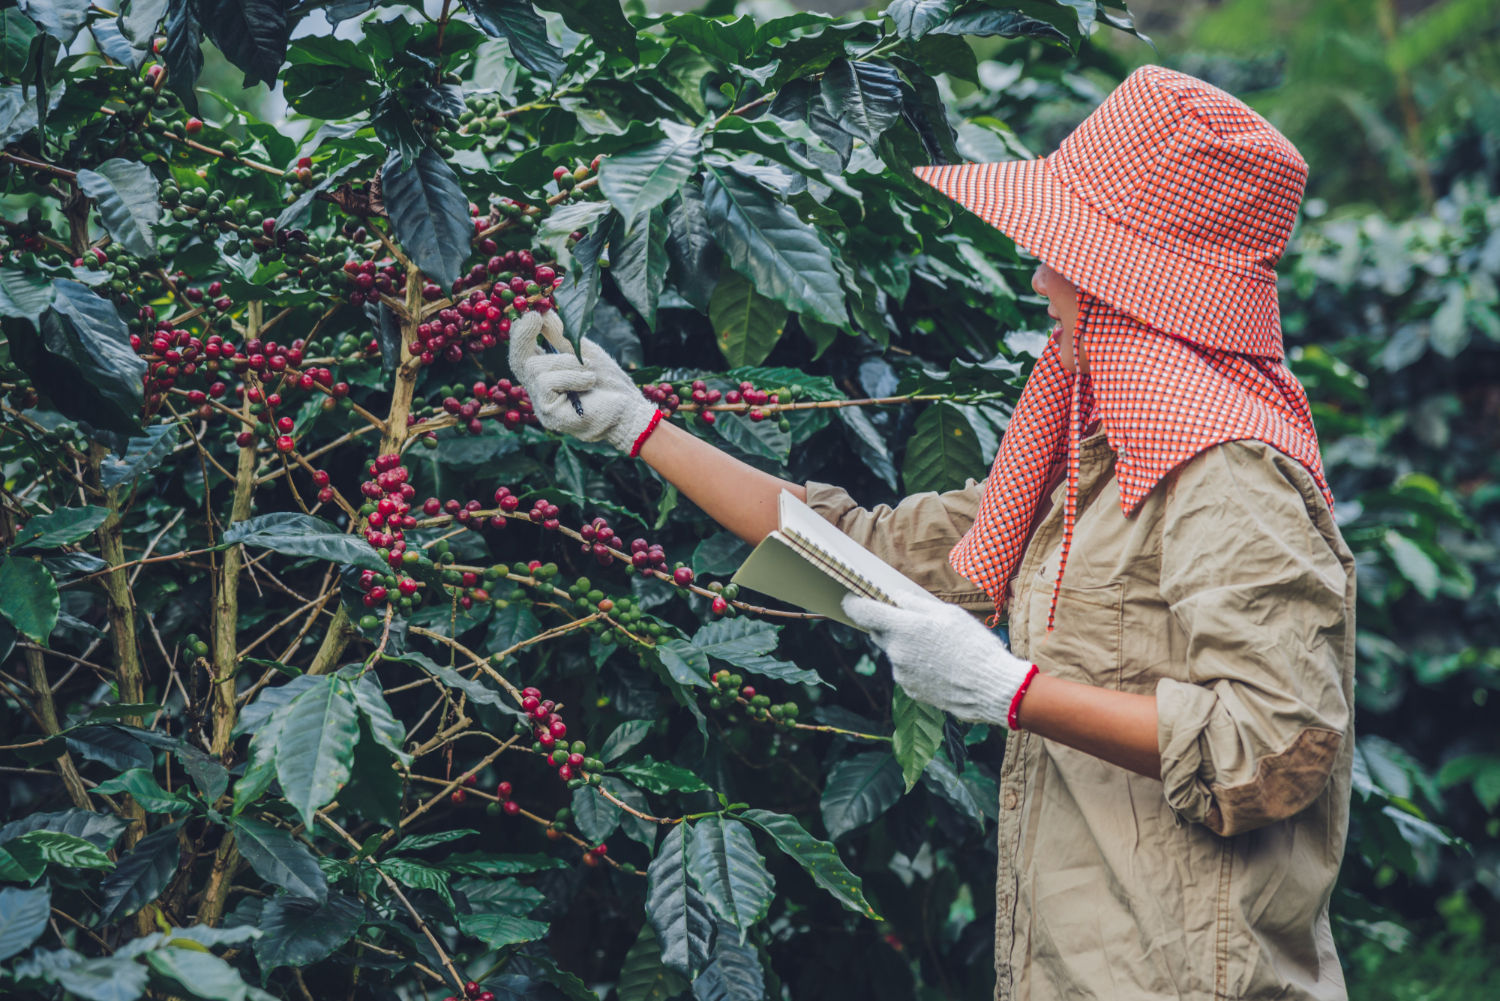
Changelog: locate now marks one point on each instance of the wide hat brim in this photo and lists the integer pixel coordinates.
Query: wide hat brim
(1230, 309)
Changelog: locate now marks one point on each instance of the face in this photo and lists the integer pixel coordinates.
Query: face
(1062, 306)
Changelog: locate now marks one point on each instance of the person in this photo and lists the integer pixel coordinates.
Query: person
(1174, 797)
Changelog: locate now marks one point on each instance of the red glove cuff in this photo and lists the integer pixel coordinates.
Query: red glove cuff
(635, 450)
(1015, 702)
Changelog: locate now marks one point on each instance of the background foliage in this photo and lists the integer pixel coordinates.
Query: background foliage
(224, 779)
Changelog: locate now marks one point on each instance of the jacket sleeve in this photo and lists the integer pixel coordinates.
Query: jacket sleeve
(1259, 580)
(916, 536)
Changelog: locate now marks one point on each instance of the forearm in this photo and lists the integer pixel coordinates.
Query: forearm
(1118, 727)
(732, 493)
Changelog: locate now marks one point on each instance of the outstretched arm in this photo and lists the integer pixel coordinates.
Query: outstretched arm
(733, 493)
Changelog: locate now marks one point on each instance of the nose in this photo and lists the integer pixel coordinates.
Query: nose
(1039, 281)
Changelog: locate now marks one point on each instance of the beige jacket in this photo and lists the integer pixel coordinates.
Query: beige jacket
(1230, 596)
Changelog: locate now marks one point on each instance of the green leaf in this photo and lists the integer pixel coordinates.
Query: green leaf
(486, 864)
(61, 19)
(280, 859)
(725, 865)
(863, 98)
(28, 598)
(638, 180)
(375, 788)
(82, 359)
(693, 257)
(727, 41)
(114, 747)
(475, 690)
(684, 662)
(501, 896)
(141, 456)
(22, 293)
(734, 975)
(819, 858)
(23, 918)
(299, 932)
(252, 34)
(858, 790)
(510, 625)
(720, 555)
(141, 874)
(1415, 565)
(211, 777)
(747, 325)
(766, 242)
(747, 644)
(638, 262)
(919, 733)
(260, 769)
(943, 452)
(525, 30)
(660, 776)
(677, 912)
(141, 784)
(429, 214)
(626, 736)
(106, 978)
(915, 18)
(579, 293)
(943, 780)
(16, 35)
(418, 874)
(101, 829)
(499, 930)
(986, 22)
(644, 977)
(62, 527)
(384, 726)
(641, 831)
(602, 20)
(596, 817)
(125, 192)
(316, 751)
(200, 973)
(183, 53)
(41, 848)
(294, 534)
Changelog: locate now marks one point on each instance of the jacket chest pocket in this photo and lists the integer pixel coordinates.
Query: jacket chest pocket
(1085, 641)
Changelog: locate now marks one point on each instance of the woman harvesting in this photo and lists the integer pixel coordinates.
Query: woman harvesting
(1157, 530)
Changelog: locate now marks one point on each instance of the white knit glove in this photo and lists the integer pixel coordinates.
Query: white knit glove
(613, 408)
(943, 656)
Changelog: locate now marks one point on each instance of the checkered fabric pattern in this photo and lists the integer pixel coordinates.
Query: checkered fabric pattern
(1167, 208)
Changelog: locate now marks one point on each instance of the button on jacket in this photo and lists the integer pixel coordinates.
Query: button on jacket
(1229, 595)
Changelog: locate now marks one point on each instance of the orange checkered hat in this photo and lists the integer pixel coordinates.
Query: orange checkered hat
(1167, 208)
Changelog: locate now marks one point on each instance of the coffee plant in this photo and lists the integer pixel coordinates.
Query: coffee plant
(327, 670)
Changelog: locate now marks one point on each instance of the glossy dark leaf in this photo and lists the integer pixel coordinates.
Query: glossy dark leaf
(693, 256)
(819, 858)
(294, 534)
(766, 242)
(863, 98)
(183, 53)
(62, 19)
(858, 790)
(111, 42)
(499, 930)
(747, 325)
(486, 864)
(748, 644)
(111, 747)
(734, 975)
(596, 817)
(941, 779)
(525, 30)
(637, 180)
(298, 932)
(644, 977)
(625, 736)
(139, 18)
(1006, 23)
(578, 295)
(638, 263)
(252, 34)
(660, 776)
(869, 444)
(82, 342)
(280, 859)
(29, 598)
(141, 786)
(677, 912)
(914, 18)
(142, 873)
(141, 456)
(316, 750)
(125, 193)
(62, 527)
(918, 734)
(208, 775)
(602, 20)
(943, 452)
(200, 973)
(103, 829)
(23, 917)
(725, 866)
(429, 214)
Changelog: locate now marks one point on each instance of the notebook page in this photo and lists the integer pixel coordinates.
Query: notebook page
(778, 569)
(804, 525)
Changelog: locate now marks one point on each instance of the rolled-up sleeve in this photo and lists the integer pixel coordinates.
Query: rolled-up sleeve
(1251, 569)
(916, 536)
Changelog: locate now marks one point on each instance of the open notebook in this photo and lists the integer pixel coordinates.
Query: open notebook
(810, 563)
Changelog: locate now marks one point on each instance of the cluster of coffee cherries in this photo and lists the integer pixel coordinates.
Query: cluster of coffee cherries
(474, 992)
(666, 396)
(387, 512)
(548, 732)
(381, 589)
(367, 279)
(732, 688)
(723, 595)
(512, 399)
(625, 610)
(303, 178)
